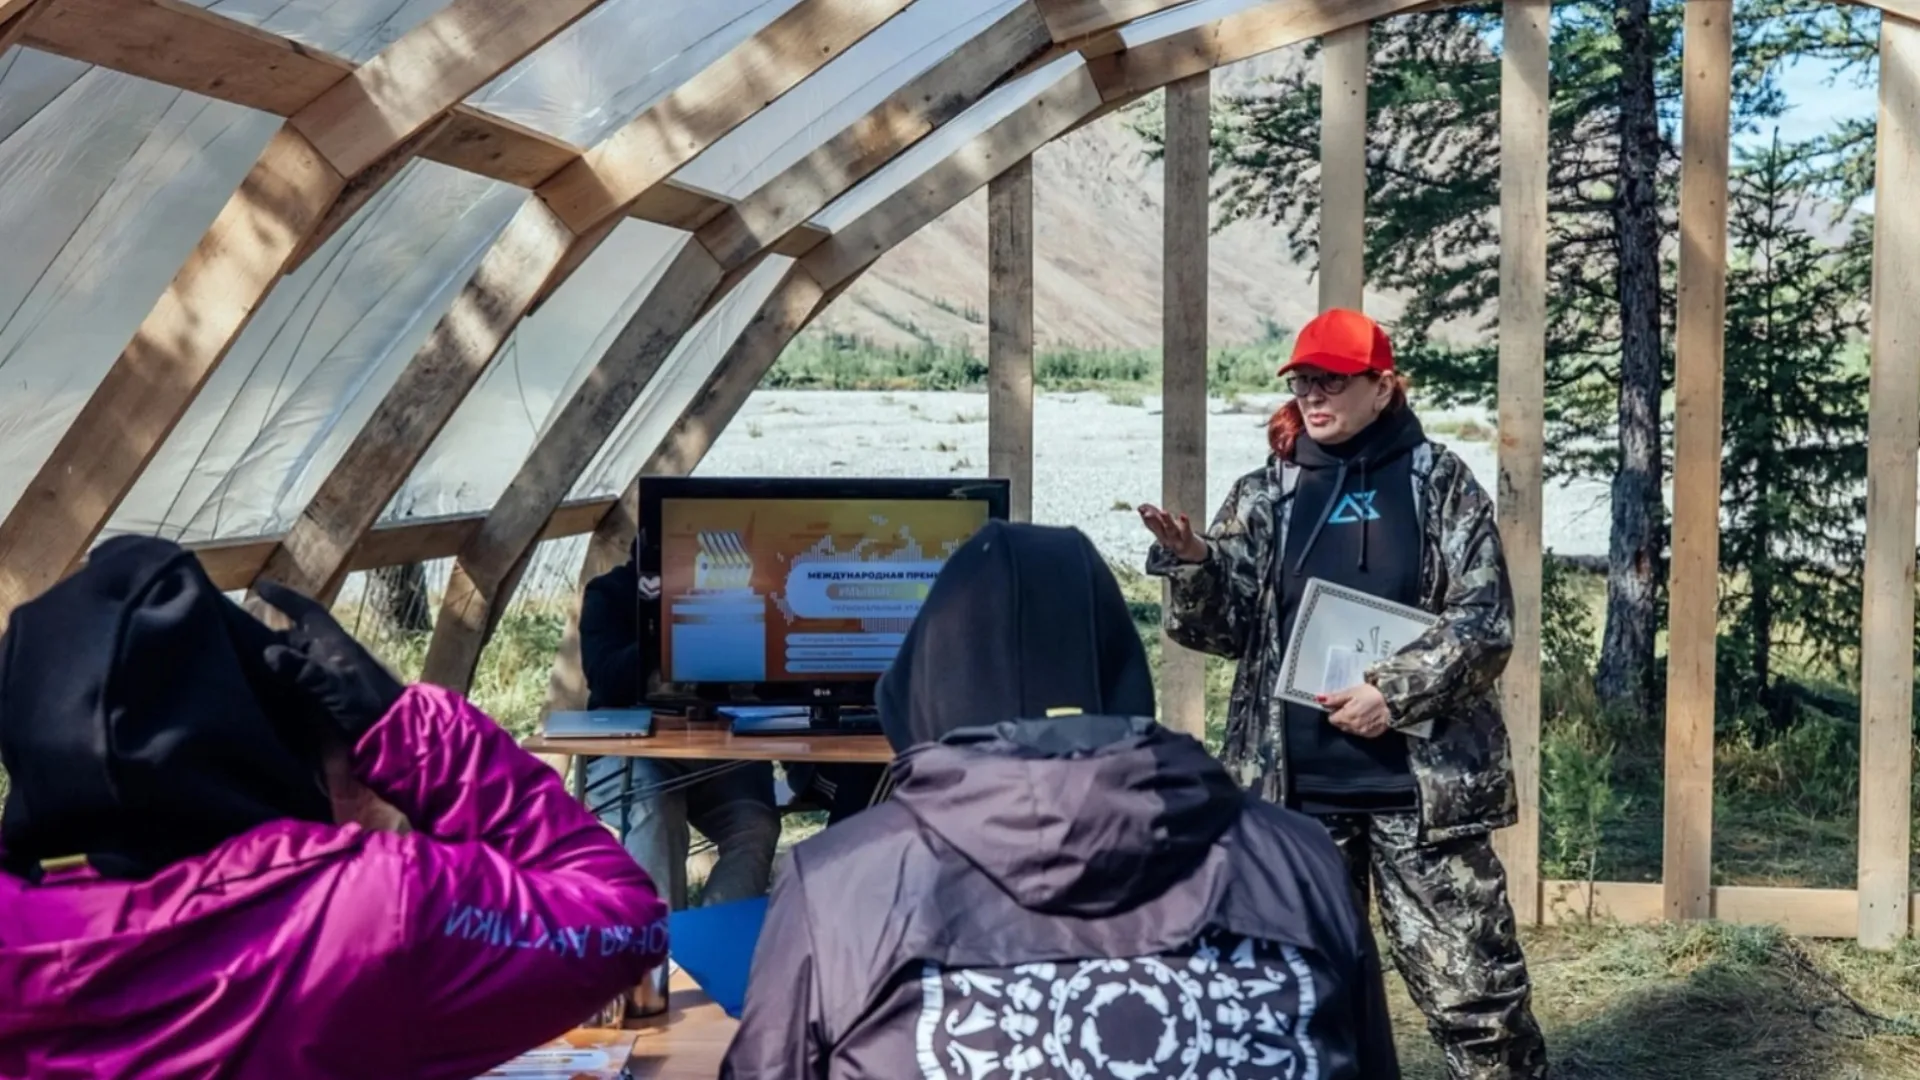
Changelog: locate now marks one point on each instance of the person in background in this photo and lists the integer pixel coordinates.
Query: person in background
(1059, 887)
(1355, 494)
(230, 851)
(840, 790)
(731, 803)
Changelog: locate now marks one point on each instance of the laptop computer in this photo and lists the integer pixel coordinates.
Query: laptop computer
(600, 724)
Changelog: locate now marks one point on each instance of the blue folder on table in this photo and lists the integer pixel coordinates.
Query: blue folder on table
(714, 945)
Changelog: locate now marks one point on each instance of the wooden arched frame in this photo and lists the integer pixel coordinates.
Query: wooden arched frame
(299, 188)
(1879, 911)
(334, 150)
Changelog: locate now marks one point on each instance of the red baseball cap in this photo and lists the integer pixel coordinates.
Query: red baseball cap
(1342, 342)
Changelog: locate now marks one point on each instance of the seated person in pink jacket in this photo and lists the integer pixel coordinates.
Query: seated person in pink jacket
(182, 893)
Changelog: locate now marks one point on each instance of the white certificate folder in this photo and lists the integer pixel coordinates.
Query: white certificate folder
(1338, 632)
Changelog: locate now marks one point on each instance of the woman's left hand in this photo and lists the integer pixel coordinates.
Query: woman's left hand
(1361, 710)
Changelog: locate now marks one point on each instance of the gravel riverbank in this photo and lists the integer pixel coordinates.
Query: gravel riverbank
(1095, 455)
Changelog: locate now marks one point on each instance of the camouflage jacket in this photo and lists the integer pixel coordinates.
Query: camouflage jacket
(1228, 606)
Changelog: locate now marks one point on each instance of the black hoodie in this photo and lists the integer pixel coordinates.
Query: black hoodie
(1076, 894)
(138, 721)
(610, 638)
(1353, 523)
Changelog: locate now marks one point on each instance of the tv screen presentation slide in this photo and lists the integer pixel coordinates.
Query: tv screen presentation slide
(790, 590)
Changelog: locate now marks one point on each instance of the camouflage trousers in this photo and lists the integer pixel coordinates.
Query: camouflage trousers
(1450, 930)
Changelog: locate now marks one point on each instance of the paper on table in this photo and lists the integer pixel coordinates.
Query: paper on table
(580, 1054)
(561, 1063)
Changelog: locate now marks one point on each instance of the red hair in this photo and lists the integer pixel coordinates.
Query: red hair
(1284, 428)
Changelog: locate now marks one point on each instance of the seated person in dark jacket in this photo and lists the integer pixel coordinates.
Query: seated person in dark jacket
(1059, 887)
(841, 790)
(731, 803)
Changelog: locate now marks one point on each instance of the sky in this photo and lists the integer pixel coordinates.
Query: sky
(1813, 106)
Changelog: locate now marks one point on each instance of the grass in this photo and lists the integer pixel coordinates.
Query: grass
(827, 361)
(822, 360)
(1785, 802)
(1706, 1001)
(510, 683)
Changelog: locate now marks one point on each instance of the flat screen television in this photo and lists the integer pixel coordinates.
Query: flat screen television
(791, 591)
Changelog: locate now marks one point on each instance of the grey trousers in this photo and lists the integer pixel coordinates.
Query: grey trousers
(731, 803)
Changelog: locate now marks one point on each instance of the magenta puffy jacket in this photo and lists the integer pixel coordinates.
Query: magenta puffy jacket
(302, 950)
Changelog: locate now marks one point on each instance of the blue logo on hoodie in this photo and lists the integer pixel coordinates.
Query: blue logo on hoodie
(1356, 507)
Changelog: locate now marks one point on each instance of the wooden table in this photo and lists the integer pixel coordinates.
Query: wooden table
(674, 738)
(688, 1043)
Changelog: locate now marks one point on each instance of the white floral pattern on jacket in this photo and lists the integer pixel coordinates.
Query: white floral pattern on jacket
(1232, 1009)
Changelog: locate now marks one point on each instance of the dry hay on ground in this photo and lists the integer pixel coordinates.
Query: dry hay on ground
(1708, 1002)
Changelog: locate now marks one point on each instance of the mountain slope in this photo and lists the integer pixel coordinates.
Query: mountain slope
(1097, 253)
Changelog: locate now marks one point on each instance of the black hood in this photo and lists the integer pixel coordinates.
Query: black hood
(138, 722)
(1392, 435)
(1023, 702)
(1023, 621)
(1084, 815)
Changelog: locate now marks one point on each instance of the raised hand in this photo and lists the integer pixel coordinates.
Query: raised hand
(1173, 533)
(325, 662)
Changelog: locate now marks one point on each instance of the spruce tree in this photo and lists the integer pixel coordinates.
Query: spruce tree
(1432, 231)
(1793, 466)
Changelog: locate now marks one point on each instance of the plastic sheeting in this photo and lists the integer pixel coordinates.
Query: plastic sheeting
(109, 185)
(793, 126)
(625, 55)
(308, 371)
(112, 180)
(30, 80)
(355, 29)
(673, 389)
(538, 368)
(944, 143)
(1186, 17)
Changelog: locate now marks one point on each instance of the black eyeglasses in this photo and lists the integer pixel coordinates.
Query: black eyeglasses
(1331, 385)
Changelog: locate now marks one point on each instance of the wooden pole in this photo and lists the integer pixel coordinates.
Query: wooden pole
(1522, 424)
(15, 17)
(1183, 373)
(1893, 439)
(1693, 589)
(1343, 168)
(1010, 333)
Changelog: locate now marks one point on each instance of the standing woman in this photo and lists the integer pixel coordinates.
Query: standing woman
(1355, 494)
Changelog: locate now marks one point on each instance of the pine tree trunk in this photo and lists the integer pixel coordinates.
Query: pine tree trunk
(1762, 587)
(1772, 701)
(399, 595)
(1625, 676)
